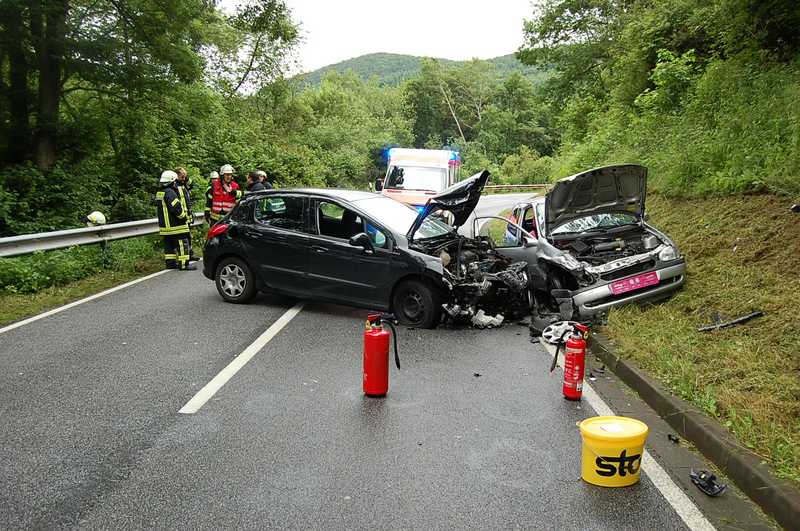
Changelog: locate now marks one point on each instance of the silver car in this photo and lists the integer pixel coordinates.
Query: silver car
(588, 245)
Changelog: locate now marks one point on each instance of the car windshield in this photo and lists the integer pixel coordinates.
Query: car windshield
(596, 222)
(399, 217)
(416, 178)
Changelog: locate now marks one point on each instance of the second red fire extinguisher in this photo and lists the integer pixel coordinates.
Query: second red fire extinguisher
(574, 360)
(376, 354)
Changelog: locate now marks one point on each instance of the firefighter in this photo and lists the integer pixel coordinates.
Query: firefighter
(254, 183)
(212, 182)
(267, 182)
(185, 193)
(172, 224)
(225, 195)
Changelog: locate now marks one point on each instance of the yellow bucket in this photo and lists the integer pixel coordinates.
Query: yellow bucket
(612, 450)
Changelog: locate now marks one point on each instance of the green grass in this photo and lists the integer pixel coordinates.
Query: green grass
(744, 255)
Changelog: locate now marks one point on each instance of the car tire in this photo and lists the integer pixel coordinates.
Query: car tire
(235, 281)
(416, 304)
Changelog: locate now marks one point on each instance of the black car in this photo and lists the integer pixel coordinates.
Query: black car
(360, 249)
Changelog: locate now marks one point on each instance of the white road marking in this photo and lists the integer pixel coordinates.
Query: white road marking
(76, 303)
(685, 507)
(211, 388)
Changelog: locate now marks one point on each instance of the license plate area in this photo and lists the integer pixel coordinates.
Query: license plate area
(636, 282)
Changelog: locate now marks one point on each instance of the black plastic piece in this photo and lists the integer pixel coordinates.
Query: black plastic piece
(707, 482)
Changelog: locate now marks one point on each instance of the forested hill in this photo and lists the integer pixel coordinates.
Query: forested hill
(391, 69)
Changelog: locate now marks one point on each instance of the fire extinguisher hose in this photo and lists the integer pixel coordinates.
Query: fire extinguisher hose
(558, 347)
(394, 340)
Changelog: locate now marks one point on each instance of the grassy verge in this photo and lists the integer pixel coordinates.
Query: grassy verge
(744, 255)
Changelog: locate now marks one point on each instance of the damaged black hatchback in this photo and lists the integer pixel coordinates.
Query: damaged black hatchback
(369, 251)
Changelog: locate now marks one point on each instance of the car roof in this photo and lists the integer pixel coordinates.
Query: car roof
(335, 193)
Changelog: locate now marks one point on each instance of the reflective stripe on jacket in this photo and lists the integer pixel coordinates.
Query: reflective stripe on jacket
(172, 215)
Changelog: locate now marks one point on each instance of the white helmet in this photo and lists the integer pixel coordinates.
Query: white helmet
(214, 175)
(168, 176)
(261, 173)
(95, 218)
(227, 168)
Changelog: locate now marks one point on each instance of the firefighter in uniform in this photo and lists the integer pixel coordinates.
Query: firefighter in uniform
(212, 182)
(172, 224)
(225, 193)
(185, 188)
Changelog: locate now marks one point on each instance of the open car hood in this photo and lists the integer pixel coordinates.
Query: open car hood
(619, 188)
(460, 200)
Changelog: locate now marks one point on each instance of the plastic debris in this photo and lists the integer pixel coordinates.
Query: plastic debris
(707, 482)
(673, 438)
(718, 323)
(481, 320)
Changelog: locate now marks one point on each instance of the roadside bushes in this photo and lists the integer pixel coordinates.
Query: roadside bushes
(31, 273)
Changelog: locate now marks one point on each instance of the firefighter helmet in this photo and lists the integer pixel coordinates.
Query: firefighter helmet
(95, 218)
(168, 176)
(227, 168)
(214, 175)
(261, 174)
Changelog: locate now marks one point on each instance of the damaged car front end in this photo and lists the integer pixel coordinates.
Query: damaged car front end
(484, 286)
(594, 249)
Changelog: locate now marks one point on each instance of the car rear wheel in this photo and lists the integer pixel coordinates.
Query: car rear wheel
(416, 304)
(234, 280)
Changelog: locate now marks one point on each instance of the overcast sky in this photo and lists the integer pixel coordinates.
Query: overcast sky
(335, 30)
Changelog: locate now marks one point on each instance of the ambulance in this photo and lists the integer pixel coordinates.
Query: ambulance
(415, 175)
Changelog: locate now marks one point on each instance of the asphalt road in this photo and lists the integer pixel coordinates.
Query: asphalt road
(473, 434)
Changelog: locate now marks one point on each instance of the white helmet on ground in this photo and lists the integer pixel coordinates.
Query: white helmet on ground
(227, 168)
(95, 218)
(168, 176)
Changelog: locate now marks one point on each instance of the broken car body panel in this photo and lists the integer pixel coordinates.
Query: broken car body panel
(460, 200)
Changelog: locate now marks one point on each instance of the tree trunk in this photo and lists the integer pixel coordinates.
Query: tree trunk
(50, 52)
(18, 94)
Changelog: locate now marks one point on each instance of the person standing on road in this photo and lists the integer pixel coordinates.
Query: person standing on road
(172, 224)
(254, 183)
(224, 196)
(185, 193)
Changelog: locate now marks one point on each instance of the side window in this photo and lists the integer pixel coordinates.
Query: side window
(285, 212)
(377, 237)
(335, 221)
(500, 232)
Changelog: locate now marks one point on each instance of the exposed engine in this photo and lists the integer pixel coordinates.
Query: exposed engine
(482, 282)
(602, 249)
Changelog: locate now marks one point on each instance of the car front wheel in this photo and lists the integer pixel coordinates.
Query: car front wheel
(234, 280)
(416, 304)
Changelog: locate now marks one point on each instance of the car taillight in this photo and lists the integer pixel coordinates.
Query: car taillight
(216, 230)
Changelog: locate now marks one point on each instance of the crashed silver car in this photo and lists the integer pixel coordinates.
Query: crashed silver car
(588, 245)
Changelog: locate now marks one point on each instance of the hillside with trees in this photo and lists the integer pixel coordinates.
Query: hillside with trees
(392, 69)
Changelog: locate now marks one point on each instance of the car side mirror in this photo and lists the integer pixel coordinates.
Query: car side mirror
(378, 185)
(362, 240)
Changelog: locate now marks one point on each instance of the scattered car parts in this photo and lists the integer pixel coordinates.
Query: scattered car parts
(719, 323)
(707, 482)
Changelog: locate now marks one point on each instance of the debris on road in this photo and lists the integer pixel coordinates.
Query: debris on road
(707, 482)
(476, 374)
(719, 323)
(673, 438)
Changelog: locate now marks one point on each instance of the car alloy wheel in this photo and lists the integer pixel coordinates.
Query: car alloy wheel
(233, 280)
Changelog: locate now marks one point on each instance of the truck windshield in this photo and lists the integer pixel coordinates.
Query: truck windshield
(416, 178)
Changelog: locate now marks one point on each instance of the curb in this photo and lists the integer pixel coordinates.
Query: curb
(777, 498)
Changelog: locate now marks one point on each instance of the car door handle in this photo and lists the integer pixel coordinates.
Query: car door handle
(319, 249)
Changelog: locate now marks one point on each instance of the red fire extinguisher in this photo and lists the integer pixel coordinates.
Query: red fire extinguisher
(574, 360)
(376, 354)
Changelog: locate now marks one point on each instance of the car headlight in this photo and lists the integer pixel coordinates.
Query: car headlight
(668, 253)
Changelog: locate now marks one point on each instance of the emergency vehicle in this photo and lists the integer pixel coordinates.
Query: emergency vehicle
(415, 175)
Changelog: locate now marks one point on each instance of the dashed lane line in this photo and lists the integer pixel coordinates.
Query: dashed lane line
(211, 388)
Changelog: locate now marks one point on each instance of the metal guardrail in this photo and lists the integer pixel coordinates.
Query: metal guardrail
(60, 239)
(516, 187)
